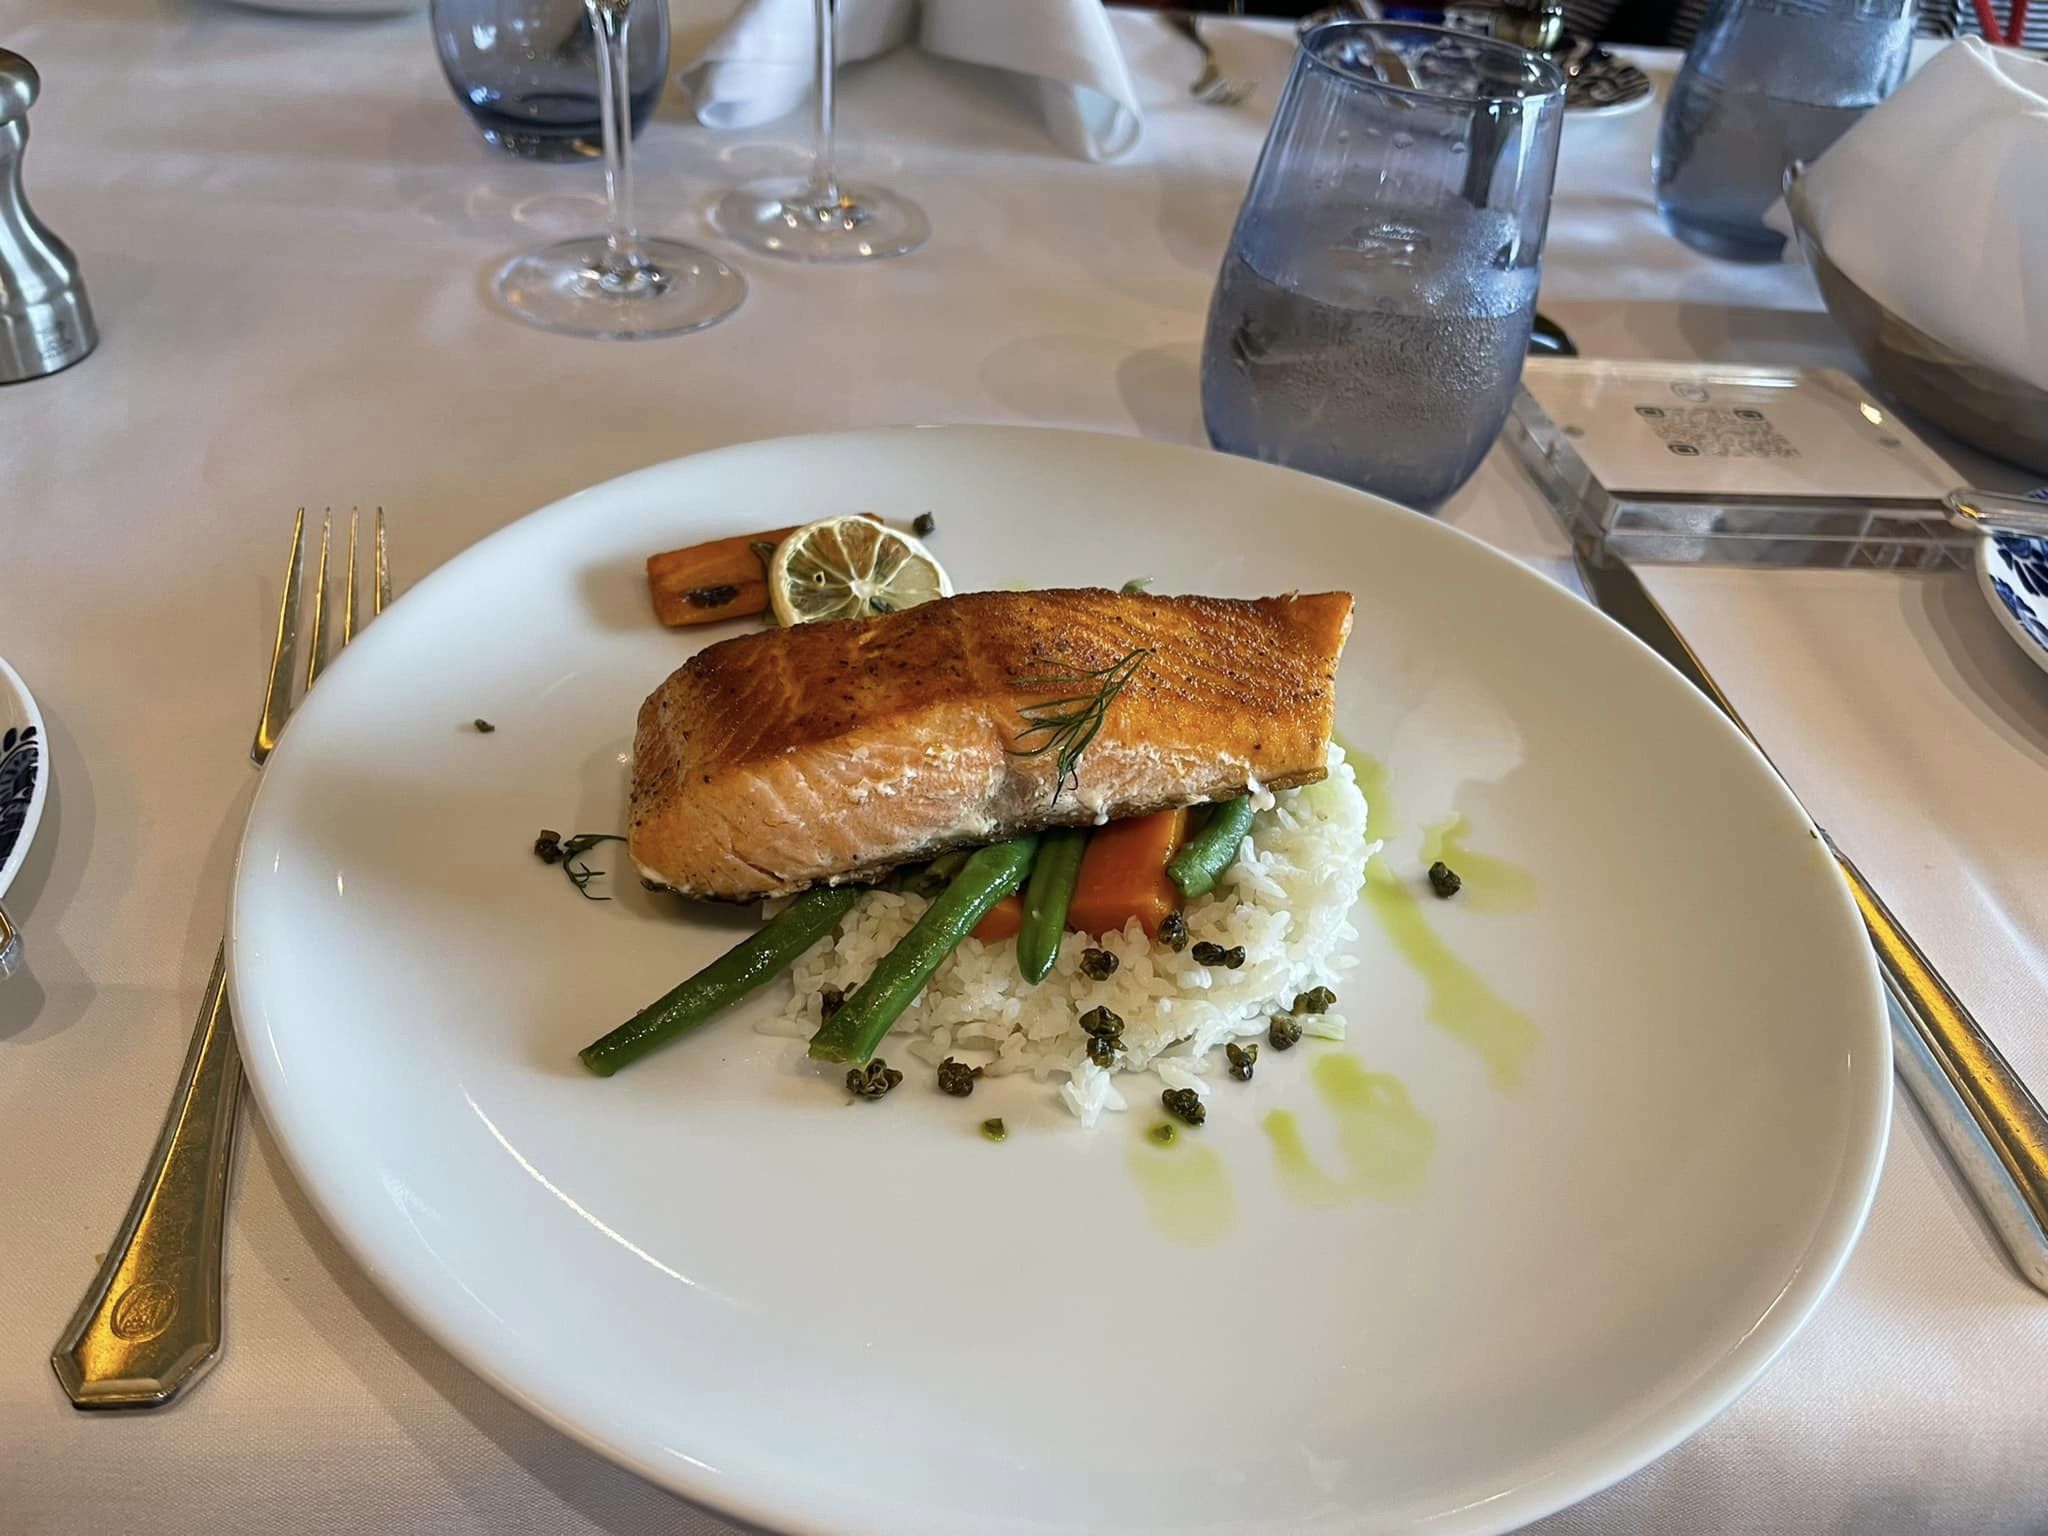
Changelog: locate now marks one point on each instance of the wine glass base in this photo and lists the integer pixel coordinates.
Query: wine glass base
(789, 219)
(571, 287)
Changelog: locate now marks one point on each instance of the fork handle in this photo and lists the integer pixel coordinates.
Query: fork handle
(150, 1323)
(2004, 1109)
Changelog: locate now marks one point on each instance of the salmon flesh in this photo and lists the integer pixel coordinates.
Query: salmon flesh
(832, 751)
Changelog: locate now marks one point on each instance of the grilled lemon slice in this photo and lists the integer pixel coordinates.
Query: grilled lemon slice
(849, 568)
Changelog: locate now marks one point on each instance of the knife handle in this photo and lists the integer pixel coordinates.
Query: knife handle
(2005, 1111)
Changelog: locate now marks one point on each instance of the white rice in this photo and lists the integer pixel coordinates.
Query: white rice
(1287, 899)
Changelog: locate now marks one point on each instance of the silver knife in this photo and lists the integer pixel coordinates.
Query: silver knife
(1987, 1119)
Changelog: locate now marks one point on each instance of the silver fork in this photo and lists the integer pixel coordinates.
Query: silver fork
(150, 1325)
(1212, 87)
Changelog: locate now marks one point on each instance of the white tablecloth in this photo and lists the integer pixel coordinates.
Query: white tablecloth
(287, 224)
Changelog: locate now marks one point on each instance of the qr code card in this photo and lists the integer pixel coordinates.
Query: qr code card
(1697, 430)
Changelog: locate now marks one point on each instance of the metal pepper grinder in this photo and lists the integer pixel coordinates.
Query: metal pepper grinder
(45, 321)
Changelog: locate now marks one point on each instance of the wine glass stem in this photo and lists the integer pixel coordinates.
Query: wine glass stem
(610, 18)
(824, 177)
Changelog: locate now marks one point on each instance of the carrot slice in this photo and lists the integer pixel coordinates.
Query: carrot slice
(1123, 874)
(724, 579)
(1001, 921)
(721, 579)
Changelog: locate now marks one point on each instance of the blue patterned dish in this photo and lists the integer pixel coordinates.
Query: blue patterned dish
(2014, 574)
(24, 773)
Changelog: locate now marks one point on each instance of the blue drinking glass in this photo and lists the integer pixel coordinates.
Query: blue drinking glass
(1765, 83)
(1374, 307)
(526, 70)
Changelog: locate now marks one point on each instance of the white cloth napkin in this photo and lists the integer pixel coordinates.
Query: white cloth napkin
(1936, 205)
(760, 66)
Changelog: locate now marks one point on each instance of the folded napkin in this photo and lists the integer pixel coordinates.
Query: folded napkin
(760, 66)
(1936, 205)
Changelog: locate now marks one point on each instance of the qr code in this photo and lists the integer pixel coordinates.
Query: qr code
(1716, 432)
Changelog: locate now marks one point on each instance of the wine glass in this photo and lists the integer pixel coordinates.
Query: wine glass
(817, 217)
(618, 286)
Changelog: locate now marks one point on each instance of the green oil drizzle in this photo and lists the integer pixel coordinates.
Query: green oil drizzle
(1386, 1141)
(1372, 783)
(1307, 1183)
(1460, 1002)
(1187, 1192)
(1491, 884)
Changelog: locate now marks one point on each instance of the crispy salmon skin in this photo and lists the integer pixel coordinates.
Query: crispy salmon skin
(831, 751)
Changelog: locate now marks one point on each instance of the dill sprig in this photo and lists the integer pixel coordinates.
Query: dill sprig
(1067, 724)
(552, 848)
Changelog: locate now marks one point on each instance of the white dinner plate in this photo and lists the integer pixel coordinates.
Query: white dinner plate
(1625, 1151)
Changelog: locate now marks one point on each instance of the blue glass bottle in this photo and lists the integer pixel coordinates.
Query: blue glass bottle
(1765, 83)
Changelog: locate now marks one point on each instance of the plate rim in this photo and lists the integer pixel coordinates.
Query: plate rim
(1987, 551)
(1837, 1229)
(1607, 112)
(10, 680)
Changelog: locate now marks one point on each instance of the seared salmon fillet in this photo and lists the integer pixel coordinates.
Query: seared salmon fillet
(831, 751)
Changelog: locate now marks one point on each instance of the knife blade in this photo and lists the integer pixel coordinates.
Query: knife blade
(1986, 1118)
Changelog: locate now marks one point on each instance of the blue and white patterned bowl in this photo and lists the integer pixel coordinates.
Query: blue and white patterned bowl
(24, 773)
(2014, 575)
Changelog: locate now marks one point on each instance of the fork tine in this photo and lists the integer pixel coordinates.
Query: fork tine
(381, 598)
(317, 657)
(348, 602)
(277, 692)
